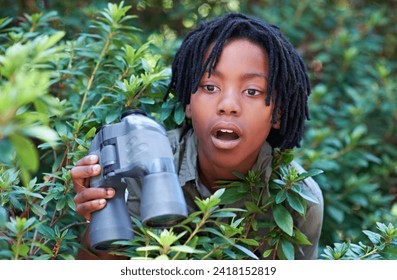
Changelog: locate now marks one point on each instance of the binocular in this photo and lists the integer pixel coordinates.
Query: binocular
(136, 147)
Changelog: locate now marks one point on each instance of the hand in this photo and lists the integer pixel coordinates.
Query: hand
(88, 199)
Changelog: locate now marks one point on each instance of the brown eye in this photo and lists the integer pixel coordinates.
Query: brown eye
(209, 87)
(252, 92)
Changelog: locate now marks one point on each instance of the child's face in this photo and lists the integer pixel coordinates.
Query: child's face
(228, 111)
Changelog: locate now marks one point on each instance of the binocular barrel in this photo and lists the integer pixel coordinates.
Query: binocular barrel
(136, 147)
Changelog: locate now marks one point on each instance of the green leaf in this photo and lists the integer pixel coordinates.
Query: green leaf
(246, 251)
(42, 132)
(288, 249)
(43, 248)
(90, 133)
(26, 152)
(252, 207)
(186, 249)
(310, 173)
(250, 242)
(23, 249)
(38, 210)
(61, 204)
(301, 238)
(375, 238)
(232, 195)
(267, 253)
(337, 214)
(305, 194)
(283, 219)
(3, 216)
(179, 114)
(146, 100)
(223, 215)
(281, 196)
(148, 248)
(162, 257)
(295, 203)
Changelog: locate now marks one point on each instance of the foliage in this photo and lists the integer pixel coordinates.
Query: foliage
(59, 92)
(65, 73)
(352, 132)
(383, 246)
(200, 236)
(282, 198)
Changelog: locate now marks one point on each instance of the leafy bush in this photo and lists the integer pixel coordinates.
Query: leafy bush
(55, 93)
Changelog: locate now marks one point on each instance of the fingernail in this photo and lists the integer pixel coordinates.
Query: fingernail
(96, 168)
(93, 158)
(110, 192)
(102, 201)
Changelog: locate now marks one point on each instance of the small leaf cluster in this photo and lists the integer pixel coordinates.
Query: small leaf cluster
(383, 245)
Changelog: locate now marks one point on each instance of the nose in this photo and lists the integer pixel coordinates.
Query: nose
(229, 103)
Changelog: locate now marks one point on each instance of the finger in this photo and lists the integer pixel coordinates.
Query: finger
(88, 160)
(86, 209)
(90, 194)
(79, 175)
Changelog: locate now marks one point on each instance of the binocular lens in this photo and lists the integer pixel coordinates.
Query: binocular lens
(164, 221)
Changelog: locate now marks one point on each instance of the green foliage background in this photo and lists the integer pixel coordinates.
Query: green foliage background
(67, 67)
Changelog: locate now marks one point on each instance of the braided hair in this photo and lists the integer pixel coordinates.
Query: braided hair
(287, 72)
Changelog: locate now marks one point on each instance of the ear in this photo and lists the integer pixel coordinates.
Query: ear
(188, 111)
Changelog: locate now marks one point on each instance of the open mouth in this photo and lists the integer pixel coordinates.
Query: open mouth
(226, 135)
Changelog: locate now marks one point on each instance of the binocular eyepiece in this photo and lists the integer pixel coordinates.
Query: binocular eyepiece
(136, 147)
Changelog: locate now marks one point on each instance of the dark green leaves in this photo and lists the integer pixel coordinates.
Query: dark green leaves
(283, 219)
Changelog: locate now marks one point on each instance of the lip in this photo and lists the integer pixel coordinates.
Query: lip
(225, 144)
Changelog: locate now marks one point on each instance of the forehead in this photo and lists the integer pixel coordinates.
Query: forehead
(236, 50)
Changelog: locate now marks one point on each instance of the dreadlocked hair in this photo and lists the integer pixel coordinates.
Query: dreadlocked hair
(287, 72)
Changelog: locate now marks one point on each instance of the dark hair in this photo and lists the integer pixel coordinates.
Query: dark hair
(287, 72)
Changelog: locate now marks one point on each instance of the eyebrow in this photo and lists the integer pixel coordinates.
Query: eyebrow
(255, 75)
(245, 76)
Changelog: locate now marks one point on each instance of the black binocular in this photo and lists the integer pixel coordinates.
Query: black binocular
(136, 147)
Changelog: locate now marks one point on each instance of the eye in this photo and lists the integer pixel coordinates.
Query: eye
(252, 92)
(209, 88)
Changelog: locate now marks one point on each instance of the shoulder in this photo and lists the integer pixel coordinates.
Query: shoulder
(178, 137)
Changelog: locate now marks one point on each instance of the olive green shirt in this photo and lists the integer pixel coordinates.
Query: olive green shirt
(184, 147)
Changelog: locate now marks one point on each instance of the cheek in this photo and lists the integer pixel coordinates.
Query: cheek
(260, 127)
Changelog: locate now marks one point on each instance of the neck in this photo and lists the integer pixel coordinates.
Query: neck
(210, 173)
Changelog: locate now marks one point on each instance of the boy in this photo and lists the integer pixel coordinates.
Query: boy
(245, 90)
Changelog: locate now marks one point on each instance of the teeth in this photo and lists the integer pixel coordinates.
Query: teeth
(226, 131)
(226, 134)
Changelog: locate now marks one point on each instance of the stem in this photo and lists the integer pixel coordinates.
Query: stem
(196, 230)
(275, 249)
(211, 252)
(90, 82)
(19, 241)
(374, 250)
